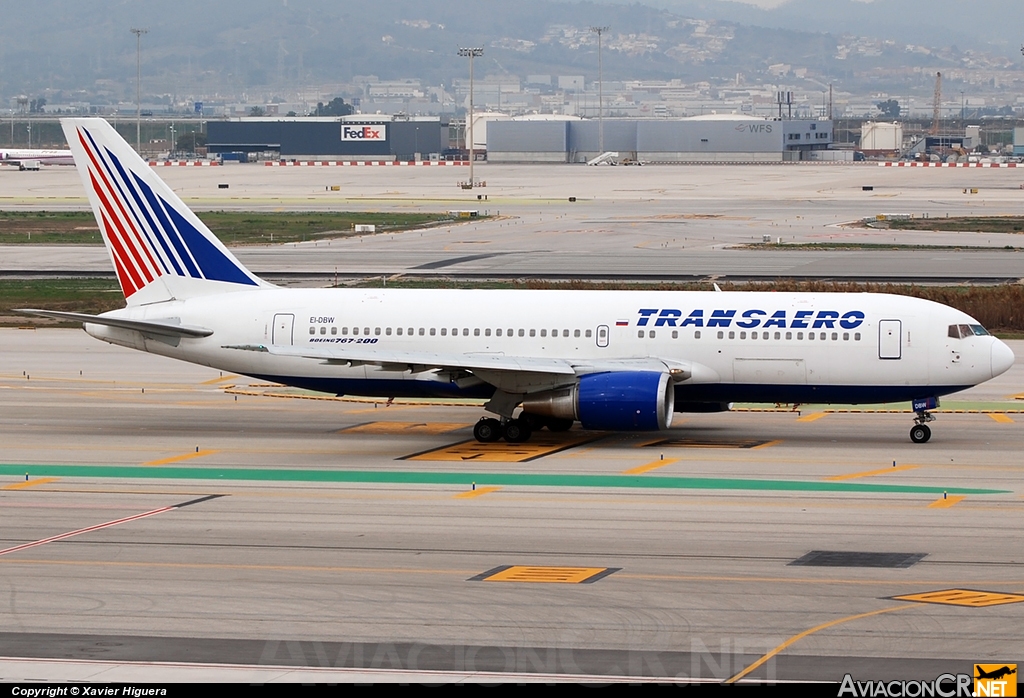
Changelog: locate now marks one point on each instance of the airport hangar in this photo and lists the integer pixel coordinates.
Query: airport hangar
(534, 139)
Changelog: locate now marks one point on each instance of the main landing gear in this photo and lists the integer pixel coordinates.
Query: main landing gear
(516, 431)
(920, 433)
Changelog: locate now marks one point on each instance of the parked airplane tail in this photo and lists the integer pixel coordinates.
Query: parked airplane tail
(159, 248)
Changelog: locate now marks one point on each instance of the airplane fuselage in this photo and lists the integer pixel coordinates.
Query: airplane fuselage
(744, 346)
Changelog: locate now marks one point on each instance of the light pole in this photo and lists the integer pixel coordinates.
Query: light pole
(138, 86)
(600, 90)
(471, 53)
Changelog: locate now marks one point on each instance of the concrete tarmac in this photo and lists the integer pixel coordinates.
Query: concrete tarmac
(154, 511)
(654, 222)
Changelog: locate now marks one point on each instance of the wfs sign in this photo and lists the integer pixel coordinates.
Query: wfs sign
(365, 133)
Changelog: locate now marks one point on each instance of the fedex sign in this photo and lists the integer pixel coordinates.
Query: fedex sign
(357, 132)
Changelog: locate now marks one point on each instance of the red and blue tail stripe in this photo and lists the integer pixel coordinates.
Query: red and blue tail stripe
(149, 232)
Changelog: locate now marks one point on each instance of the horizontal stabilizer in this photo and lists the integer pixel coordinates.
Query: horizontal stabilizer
(167, 328)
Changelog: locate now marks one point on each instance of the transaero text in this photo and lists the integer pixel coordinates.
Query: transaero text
(747, 319)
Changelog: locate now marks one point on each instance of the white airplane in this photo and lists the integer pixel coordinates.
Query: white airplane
(31, 159)
(611, 360)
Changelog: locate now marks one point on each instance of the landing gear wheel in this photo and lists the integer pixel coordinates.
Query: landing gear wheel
(556, 424)
(517, 431)
(487, 430)
(920, 434)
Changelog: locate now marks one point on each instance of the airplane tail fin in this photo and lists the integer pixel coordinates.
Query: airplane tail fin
(159, 248)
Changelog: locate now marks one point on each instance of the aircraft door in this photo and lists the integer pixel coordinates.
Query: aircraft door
(284, 325)
(602, 335)
(890, 339)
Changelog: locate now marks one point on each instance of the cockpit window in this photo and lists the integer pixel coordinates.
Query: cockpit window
(961, 331)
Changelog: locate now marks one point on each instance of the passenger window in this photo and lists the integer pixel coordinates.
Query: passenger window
(799, 335)
(544, 333)
(835, 336)
(376, 331)
(565, 333)
(509, 332)
(522, 332)
(433, 331)
(444, 331)
(675, 334)
(323, 329)
(588, 333)
(789, 335)
(421, 332)
(334, 330)
(743, 335)
(410, 332)
(355, 330)
(344, 330)
(387, 331)
(476, 332)
(312, 330)
(465, 331)
(533, 333)
(696, 334)
(721, 335)
(399, 331)
(487, 332)
(366, 330)
(576, 333)
(778, 335)
(497, 332)
(846, 336)
(856, 336)
(732, 335)
(640, 334)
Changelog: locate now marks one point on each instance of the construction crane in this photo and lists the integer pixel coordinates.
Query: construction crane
(937, 104)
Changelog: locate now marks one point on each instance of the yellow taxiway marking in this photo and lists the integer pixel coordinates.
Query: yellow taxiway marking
(501, 452)
(872, 473)
(641, 469)
(184, 456)
(391, 428)
(1001, 418)
(811, 631)
(29, 483)
(545, 575)
(946, 502)
(767, 444)
(812, 417)
(479, 491)
(963, 597)
(222, 379)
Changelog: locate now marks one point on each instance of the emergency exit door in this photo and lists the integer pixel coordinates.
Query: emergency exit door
(890, 339)
(284, 326)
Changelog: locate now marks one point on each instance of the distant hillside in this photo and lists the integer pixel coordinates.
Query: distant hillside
(202, 47)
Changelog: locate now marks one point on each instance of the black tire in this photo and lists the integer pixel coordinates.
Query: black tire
(487, 430)
(920, 434)
(556, 424)
(517, 431)
(535, 421)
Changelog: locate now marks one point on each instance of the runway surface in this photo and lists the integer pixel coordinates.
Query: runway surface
(655, 222)
(153, 511)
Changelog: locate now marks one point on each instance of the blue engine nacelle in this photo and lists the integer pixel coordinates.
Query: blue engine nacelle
(614, 401)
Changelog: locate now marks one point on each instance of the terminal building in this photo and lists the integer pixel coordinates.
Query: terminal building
(363, 137)
(713, 138)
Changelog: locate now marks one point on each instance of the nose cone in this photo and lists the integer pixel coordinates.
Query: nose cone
(1002, 358)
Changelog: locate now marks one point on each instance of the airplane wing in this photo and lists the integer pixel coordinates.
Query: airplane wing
(560, 371)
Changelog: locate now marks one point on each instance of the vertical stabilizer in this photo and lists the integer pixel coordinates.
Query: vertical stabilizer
(159, 248)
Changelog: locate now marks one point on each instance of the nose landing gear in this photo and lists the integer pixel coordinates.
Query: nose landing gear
(920, 433)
